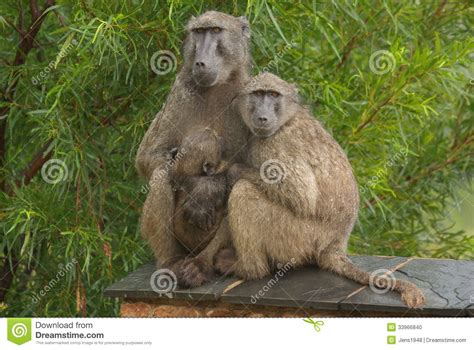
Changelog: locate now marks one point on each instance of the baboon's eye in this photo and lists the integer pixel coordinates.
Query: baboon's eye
(274, 94)
(216, 30)
(199, 30)
(208, 168)
(174, 152)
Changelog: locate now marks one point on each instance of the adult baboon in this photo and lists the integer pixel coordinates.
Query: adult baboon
(216, 64)
(297, 199)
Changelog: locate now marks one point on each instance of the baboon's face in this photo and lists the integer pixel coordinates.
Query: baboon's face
(266, 112)
(209, 55)
(199, 155)
(216, 47)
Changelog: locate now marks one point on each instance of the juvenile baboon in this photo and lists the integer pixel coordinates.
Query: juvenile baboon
(216, 64)
(297, 198)
(199, 155)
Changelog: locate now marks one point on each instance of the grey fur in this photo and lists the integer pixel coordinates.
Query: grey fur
(191, 106)
(307, 216)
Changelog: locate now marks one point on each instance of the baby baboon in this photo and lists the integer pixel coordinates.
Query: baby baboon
(199, 155)
(297, 199)
(216, 64)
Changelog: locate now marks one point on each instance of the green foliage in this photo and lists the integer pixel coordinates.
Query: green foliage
(87, 94)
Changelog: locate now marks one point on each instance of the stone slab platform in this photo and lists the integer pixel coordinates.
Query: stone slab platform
(448, 286)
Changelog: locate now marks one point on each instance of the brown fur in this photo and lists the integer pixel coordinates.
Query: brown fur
(189, 107)
(198, 149)
(201, 151)
(308, 216)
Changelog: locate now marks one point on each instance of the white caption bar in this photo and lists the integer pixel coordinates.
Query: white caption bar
(233, 333)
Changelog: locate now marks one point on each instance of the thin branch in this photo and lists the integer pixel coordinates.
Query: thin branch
(21, 17)
(387, 100)
(3, 131)
(60, 18)
(86, 8)
(440, 8)
(25, 46)
(372, 116)
(6, 275)
(11, 24)
(347, 51)
(452, 158)
(351, 44)
(41, 157)
(35, 11)
(435, 168)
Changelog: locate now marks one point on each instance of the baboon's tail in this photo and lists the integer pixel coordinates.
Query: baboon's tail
(339, 263)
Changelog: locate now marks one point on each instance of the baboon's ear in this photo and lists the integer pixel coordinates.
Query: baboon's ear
(183, 45)
(245, 27)
(190, 23)
(295, 92)
(294, 87)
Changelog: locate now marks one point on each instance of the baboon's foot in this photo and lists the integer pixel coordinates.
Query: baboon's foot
(175, 265)
(195, 272)
(225, 261)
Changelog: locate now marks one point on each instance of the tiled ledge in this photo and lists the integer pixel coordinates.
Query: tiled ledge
(448, 286)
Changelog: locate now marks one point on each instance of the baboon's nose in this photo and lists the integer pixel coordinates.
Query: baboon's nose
(262, 120)
(200, 65)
